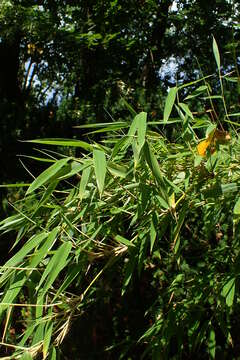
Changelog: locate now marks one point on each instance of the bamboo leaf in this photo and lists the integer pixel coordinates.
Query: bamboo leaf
(16, 284)
(155, 168)
(129, 270)
(14, 185)
(141, 120)
(186, 109)
(212, 344)
(26, 249)
(169, 103)
(72, 273)
(124, 241)
(216, 53)
(62, 142)
(153, 234)
(47, 338)
(47, 174)
(26, 356)
(100, 166)
(228, 291)
(54, 267)
(117, 170)
(52, 353)
(84, 181)
(236, 209)
(43, 250)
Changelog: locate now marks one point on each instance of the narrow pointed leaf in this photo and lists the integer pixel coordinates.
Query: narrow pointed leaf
(43, 250)
(216, 53)
(62, 142)
(47, 174)
(100, 166)
(228, 291)
(17, 282)
(186, 109)
(169, 103)
(141, 120)
(55, 265)
(47, 338)
(84, 181)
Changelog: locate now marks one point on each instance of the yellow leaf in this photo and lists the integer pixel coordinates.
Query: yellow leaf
(214, 138)
(203, 146)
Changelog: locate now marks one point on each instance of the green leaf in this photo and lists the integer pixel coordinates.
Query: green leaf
(75, 168)
(129, 269)
(26, 356)
(54, 267)
(39, 330)
(153, 235)
(117, 170)
(52, 353)
(26, 249)
(72, 273)
(124, 241)
(186, 109)
(47, 338)
(18, 280)
(100, 166)
(212, 344)
(11, 222)
(141, 121)
(14, 185)
(42, 252)
(236, 209)
(84, 182)
(100, 125)
(46, 195)
(228, 291)
(47, 174)
(155, 168)
(196, 92)
(216, 53)
(229, 188)
(62, 142)
(169, 103)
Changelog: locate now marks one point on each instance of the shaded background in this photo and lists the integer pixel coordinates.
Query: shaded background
(68, 63)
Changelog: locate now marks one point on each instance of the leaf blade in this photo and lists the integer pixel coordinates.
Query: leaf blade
(169, 103)
(100, 168)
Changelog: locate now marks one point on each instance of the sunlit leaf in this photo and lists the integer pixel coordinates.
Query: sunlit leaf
(100, 167)
(216, 53)
(169, 103)
(47, 174)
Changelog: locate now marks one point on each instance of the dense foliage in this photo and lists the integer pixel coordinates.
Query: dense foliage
(141, 227)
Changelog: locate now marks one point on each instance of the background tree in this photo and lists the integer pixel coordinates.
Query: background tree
(66, 63)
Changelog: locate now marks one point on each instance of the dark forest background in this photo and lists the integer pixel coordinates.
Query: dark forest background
(69, 63)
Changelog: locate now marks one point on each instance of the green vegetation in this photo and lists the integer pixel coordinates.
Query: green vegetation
(121, 239)
(134, 213)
